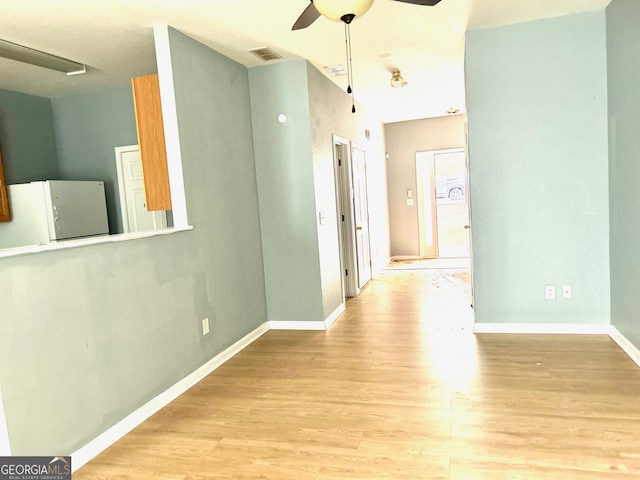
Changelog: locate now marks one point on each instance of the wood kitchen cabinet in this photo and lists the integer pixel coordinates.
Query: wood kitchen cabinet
(153, 152)
(5, 210)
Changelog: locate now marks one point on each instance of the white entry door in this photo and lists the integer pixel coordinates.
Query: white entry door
(443, 203)
(361, 214)
(452, 203)
(135, 216)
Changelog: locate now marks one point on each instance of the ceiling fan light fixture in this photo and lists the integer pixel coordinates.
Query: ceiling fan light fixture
(396, 80)
(342, 10)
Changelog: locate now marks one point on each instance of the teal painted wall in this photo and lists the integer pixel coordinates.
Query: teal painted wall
(284, 169)
(88, 127)
(27, 138)
(294, 165)
(537, 120)
(623, 49)
(214, 119)
(330, 109)
(91, 334)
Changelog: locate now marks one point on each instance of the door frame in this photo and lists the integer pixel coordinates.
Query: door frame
(470, 224)
(345, 215)
(122, 194)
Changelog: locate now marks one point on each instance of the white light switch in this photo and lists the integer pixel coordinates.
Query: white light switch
(321, 218)
(409, 202)
(409, 193)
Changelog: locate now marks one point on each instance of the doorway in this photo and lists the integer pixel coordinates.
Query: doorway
(353, 215)
(443, 208)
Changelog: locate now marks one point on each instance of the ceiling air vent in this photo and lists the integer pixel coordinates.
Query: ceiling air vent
(266, 53)
(336, 70)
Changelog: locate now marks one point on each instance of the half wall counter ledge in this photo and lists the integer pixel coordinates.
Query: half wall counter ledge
(87, 241)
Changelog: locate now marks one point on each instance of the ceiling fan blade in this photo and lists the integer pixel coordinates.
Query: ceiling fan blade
(426, 3)
(309, 16)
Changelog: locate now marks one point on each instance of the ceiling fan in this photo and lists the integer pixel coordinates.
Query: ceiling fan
(343, 10)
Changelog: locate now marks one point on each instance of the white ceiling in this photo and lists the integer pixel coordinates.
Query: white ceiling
(114, 38)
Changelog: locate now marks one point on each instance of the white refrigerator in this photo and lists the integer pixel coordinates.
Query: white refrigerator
(52, 210)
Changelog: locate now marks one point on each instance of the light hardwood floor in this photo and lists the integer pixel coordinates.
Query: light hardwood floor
(398, 388)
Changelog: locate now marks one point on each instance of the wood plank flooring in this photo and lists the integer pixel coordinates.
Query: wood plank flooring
(398, 388)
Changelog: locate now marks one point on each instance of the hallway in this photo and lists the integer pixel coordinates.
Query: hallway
(398, 388)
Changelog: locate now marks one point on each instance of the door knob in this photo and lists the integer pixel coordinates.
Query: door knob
(358, 228)
(467, 227)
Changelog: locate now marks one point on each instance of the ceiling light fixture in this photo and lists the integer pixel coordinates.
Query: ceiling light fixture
(342, 10)
(396, 80)
(28, 55)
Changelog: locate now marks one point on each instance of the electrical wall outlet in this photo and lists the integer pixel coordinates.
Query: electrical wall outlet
(550, 292)
(205, 326)
(566, 291)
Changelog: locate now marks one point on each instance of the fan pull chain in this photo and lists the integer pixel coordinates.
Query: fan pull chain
(347, 40)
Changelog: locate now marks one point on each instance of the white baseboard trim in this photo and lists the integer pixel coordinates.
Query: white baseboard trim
(131, 421)
(296, 325)
(331, 319)
(308, 325)
(5, 446)
(628, 347)
(379, 268)
(544, 328)
(563, 328)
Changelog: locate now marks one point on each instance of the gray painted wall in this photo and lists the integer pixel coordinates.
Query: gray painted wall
(404, 139)
(294, 164)
(537, 110)
(92, 333)
(284, 170)
(88, 127)
(623, 45)
(330, 109)
(27, 138)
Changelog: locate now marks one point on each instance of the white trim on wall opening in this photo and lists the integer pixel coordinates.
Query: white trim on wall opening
(5, 447)
(170, 121)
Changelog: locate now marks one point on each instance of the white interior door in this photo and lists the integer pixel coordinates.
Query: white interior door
(361, 213)
(135, 216)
